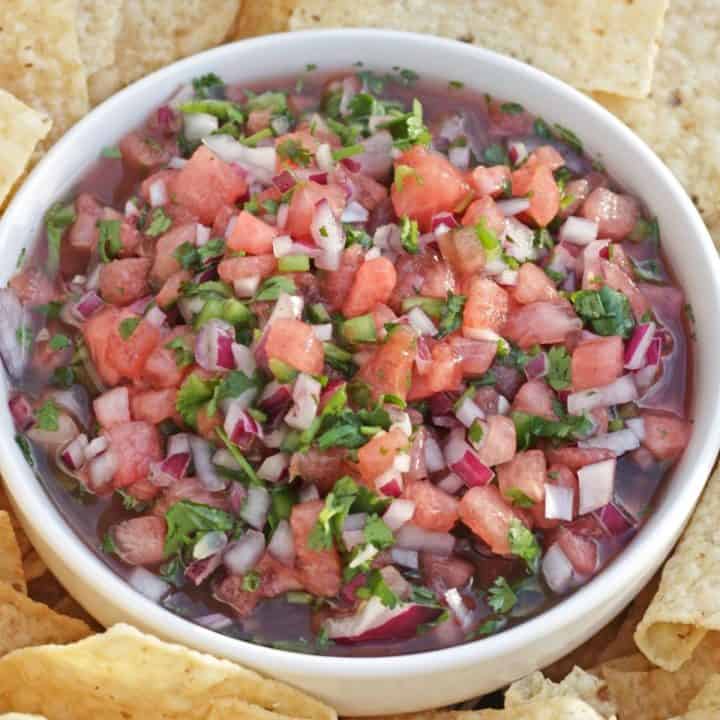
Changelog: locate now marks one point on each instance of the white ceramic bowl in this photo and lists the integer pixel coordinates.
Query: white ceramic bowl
(411, 682)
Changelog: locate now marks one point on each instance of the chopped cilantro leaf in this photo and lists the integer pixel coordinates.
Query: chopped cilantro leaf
(207, 85)
(451, 315)
(409, 234)
(518, 498)
(112, 152)
(193, 394)
(357, 236)
(184, 356)
(568, 137)
(495, 154)
(59, 342)
(476, 432)
(512, 108)
(456, 85)
(239, 458)
(127, 327)
(57, 219)
(294, 151)
(109, 243)
(63, 377)
(275, 286)
(528, 427)
(159, 223)
(559, 372)
(48, 416)
(648, 270)
(606, 310)
(108, 544)
(187, 521)
(224, 110)
(233, 384)
(501, 597)
(408, 129)
(24, 336)
(375, 586)
(524, 544)
(377, 533)
(251, 581)
(24, 444)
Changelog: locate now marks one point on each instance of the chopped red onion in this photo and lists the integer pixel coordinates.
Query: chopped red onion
(654, 352)
(519, 242)
(196, 126)
(101, 470)
(421, 322)
(352, 165)
(308, 493)
(459, 156)
(614, 520)
(405, 558)
(244, 554)
(148, 584)
(597, 482)
(260, 161)
(374, 621)
(202, 234)
(324, 158)
(204, 469)
(398, 513)
(355, 521)
(282, 544)
(87, 305)
(113, 407)
(558, 571)
(328, 235)
(451, 484)
(241, 427)
(353, 538)
(273, 467)
(323, 332)
(350, 88)
(96, 446)
(200, 570)
(578, 231)
(284, 181)
(282, 245)
(275, 400)
(73, 455)
(507, 277)
(224, 458)
(434, 459)
(637, 426)
(22, 412)
(280, 125)
(257, 505)
(513, 206)
(538, 366)
(620, 441)
(174, 163)
(214, 621)
(282, 216)
(246, 287)
(387, 237)
(637, 348)
(354, 212)
(622, 390)
(442, 222)
(465, 463)
(244, 359)
(275, 439)
(159, 193)
(213, 346)
(412, 537)
(559, 502)
(306, 397)
(460, 610)
(140, 306)
(209, 544)
(468, 412)
(517, 152)
(320, 178)
(237, 497)
(172, 468)
(156, 317)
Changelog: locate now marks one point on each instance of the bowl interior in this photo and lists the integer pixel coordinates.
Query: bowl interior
(685, 240)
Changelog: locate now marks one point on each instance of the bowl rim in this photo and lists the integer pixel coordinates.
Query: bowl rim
(28, 492)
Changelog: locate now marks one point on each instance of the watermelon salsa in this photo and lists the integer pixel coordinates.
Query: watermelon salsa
(349, 364)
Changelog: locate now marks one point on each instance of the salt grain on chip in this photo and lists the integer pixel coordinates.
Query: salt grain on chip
(40, 59)
(21, 129)
(592, 44)
(124, 674)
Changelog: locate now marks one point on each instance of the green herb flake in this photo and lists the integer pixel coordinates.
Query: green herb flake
(48, 417)
(25, 448)
(501, 596)
(294, 151)
(518, 498)
(193, 394)
(159, 223)
(275, 286)
(377, 533)
(524, 545)
(109, 242)
(409, 234)
(24, 336)
(512, 108)
(606, 310)
(559, 372)
(408, 129)
(187, 521)
(251, 581)
(375, 586)
(128, 326)
(204, 85)
(568, 137)
(476, 432)
(108, 544)
(184, 356)
(57, 219)
(60, 342)
(528, 427)
(495, 154)
(649, 270)
(347, 151)
(456, 85)
(451, 315)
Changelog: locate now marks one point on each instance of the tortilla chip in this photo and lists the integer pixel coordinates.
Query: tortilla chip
(24, 622)
(262, 18)
(98, 26)
(589, 43)
(687, 603)
(125, 674)
(578, 684)
(33, 566)
(557, 708)
(11, 569)
(21, 128)
(155, 34)
(709, 697)
(40, 59)
(681, 117)
(20, 716)
(656, 694)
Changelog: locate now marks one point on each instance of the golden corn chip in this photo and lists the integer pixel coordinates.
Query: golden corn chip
(24, 622)
(11, 568)
(40, 59)
(263, 18)
(21, 129)
(98, 25)
(557, 708)
(687, 604)
(33, 566)
(155, 33)
(578, 684)
(20, 716)
(125, 674)
(589, 43)
(656, 694)
(680, 118)
(709, 696)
